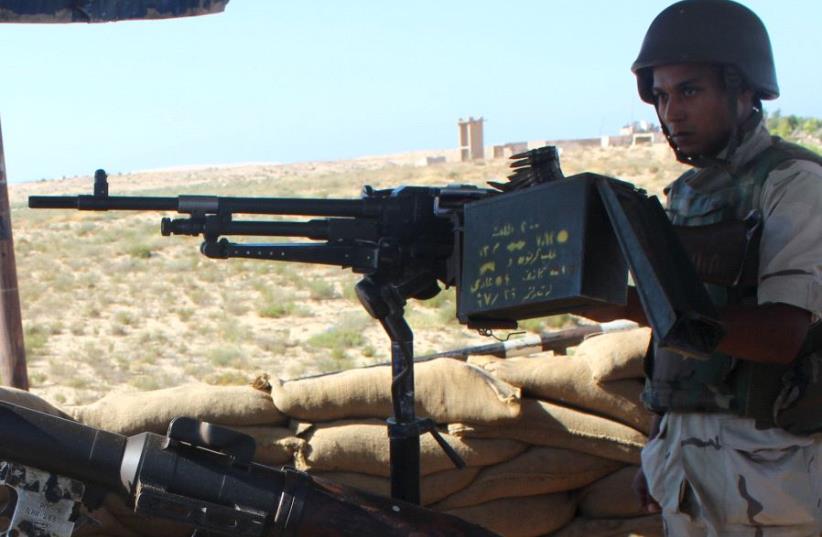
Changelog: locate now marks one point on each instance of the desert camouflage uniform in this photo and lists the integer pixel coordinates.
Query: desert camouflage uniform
(716, 475)
(711, 469)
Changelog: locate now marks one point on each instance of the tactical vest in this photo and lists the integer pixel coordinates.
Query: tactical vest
(723, 383)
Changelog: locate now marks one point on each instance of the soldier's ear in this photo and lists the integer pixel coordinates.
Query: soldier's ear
(747, 103)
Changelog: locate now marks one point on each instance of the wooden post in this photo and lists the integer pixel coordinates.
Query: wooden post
(12, 351)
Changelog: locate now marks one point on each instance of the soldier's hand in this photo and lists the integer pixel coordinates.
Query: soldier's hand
(640, 486)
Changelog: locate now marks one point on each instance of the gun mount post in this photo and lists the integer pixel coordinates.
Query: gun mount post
(385, 301)
(403, 429)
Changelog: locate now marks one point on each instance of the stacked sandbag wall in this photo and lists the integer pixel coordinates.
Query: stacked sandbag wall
(551, 442)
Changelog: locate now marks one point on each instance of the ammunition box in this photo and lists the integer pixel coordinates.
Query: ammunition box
(542, 251)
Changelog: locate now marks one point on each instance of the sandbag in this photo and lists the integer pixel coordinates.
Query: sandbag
(433, 487)
(521, 517)
(568, 380)
(29, 400)
(446, 390)
(540, 470)
(612, 496)
(131, 413)
(275, 445)
(548, 424)
(615, 355)
(646, 526)
(362, 446)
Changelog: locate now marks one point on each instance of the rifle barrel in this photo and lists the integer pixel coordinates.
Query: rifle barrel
(113, 203)
(61, 446)
(213, 205)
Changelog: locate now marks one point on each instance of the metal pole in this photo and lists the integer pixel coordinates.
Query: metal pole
(558, 341)
(403, 426)
(12, 352)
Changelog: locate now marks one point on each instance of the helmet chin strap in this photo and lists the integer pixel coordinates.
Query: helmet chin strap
(733, 88)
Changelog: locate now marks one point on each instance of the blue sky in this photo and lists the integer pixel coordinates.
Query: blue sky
(276, 81)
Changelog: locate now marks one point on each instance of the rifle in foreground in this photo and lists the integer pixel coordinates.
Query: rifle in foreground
(199, 474)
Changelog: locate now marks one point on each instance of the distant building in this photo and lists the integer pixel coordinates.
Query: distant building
(509, 149)
(635, 133)
(471, 139)
(638, 127)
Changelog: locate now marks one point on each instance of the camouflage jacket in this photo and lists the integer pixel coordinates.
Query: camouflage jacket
(757, 175)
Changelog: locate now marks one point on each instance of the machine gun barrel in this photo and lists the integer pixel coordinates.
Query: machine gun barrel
(94, 203)
(403, 232)
(352, 208)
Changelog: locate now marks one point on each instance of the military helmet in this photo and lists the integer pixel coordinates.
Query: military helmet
(708, 31)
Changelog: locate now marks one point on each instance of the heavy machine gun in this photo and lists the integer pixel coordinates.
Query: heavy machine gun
(402, 240)
(546, 244)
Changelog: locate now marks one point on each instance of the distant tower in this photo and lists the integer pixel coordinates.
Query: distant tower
(470, 133)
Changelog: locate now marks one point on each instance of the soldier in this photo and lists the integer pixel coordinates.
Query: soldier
(731, 453)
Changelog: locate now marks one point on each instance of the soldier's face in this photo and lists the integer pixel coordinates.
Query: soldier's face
(692, 103)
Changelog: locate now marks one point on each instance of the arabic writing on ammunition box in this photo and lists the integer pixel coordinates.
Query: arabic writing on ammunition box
(520, 262)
